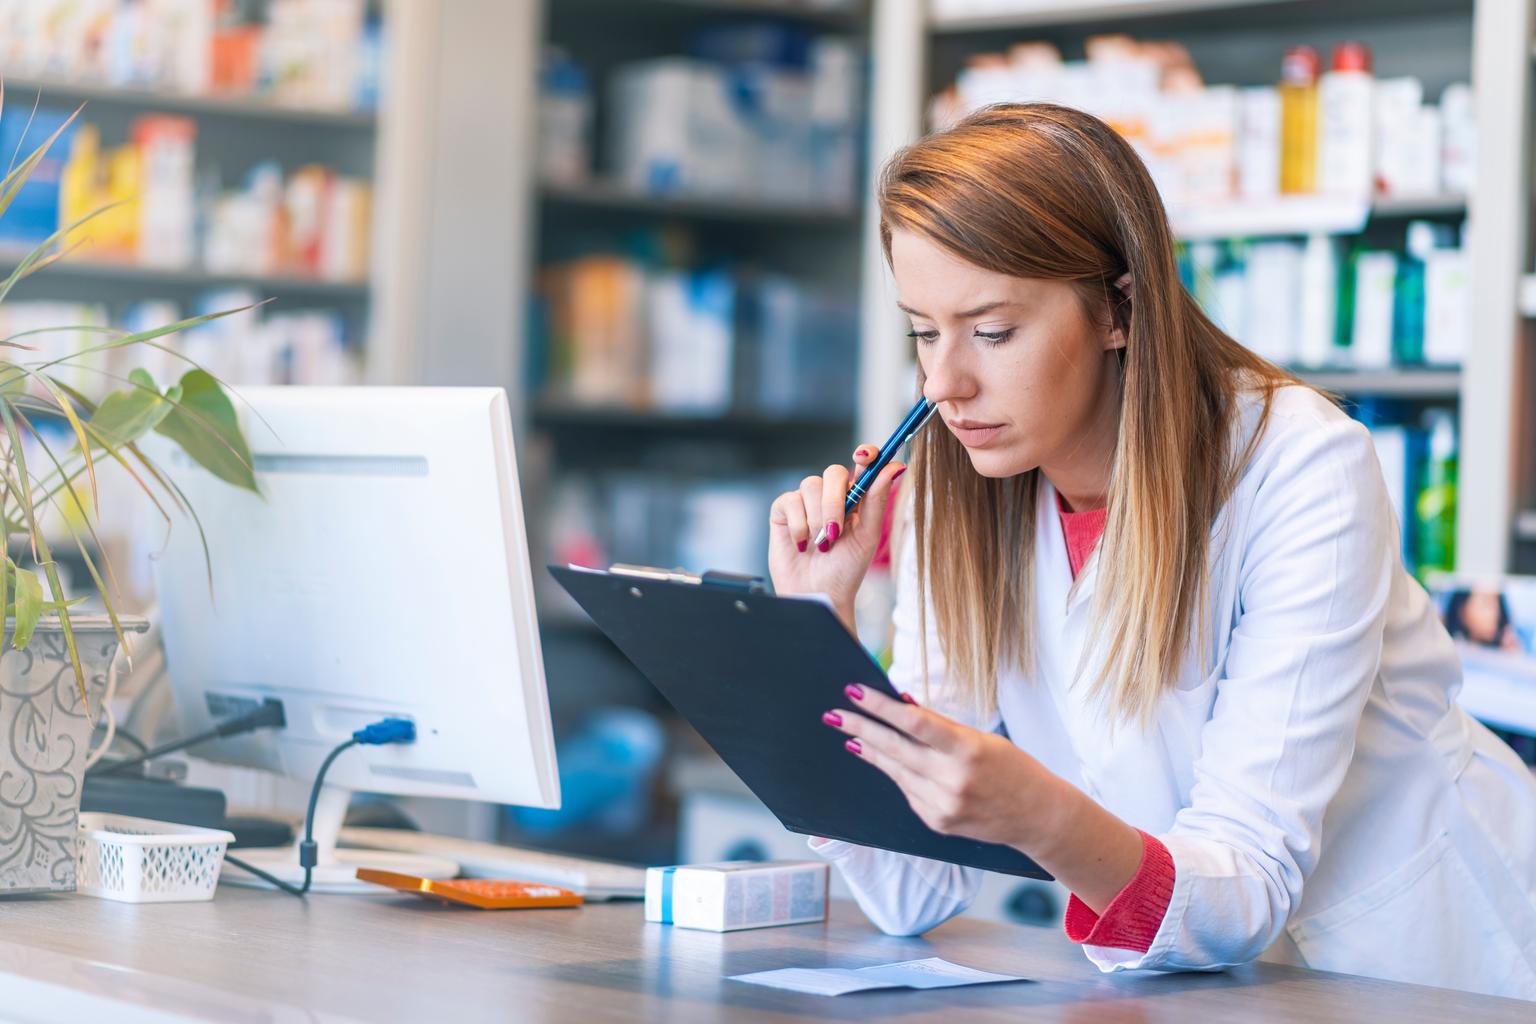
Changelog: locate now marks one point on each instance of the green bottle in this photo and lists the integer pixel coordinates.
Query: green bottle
(1435, 509)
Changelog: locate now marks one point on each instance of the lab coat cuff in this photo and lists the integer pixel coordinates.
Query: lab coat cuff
(1155, 957)
(1133, 917)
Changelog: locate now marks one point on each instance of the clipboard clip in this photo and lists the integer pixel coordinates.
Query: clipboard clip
(724, 580)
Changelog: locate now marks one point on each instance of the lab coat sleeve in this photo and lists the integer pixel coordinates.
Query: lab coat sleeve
(1315, 571)
(902, 894)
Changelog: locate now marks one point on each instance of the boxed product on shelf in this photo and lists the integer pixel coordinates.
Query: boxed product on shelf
(697, 341)
(318, 53)
(34, 211)
(145, 205)
(1327, 128)
(565, 120)
(667, 519)
(165, 145)
(759, 128)
(1313, 304)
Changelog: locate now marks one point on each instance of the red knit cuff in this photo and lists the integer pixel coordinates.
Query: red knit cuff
(1136, 913)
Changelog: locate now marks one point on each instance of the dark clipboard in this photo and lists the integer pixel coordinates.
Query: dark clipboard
(753, 673)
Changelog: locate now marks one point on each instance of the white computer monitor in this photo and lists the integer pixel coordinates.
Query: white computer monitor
(383, 572)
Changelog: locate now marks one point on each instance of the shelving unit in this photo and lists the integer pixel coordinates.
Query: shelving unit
(1305, 215)
(180, 279)
(136, 99)
(1420, 384)
(234, 133)
(807, 241)
(606, 197)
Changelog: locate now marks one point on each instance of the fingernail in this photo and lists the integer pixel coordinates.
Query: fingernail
(832, 531)
(858, 453)
(854, 690)
(832, 718)
(803, 544)
(854, 747)
(900, 471)
(908, 698)
(826, 543)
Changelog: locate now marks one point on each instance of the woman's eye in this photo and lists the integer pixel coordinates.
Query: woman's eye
(923, 335)
(994, 337)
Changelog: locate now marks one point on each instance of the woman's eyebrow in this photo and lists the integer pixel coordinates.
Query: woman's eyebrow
(963, 315)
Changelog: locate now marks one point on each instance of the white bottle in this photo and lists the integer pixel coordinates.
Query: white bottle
(1345, 124)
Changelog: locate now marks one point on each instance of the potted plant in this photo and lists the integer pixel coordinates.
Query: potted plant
(55, 653)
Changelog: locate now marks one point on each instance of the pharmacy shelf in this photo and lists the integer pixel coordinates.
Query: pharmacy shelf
(1303, 215)
(847, 17)
(1500, 689)
(1007, 15)
(1020, 14)
(191, 277)
(554, 416)
(612, 198)
(1403, 383)
(23, 89)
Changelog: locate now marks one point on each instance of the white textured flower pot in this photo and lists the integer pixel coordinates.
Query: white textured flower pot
(45, 735)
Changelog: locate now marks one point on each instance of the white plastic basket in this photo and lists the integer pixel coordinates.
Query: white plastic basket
(136, 860)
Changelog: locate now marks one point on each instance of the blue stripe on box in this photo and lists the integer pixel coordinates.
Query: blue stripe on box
(666, 895)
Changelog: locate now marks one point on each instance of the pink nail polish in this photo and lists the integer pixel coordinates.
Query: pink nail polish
(854, 747)
(825, 545)
(909, 698)
(802, 544)
(832, 718)
(832, 531)
(854, 690)
(859, 453)
(898, 473)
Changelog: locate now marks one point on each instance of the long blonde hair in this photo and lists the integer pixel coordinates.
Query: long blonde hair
(1041, 191)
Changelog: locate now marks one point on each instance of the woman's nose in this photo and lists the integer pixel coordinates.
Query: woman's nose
(946, 379)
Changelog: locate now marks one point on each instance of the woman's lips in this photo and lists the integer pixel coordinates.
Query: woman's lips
(975, 437)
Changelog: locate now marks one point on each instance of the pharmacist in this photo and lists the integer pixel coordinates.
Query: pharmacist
(1151, 612)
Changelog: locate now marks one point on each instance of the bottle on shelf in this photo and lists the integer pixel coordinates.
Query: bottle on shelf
(1344, 110)
(1435, 507)
(1298, 120)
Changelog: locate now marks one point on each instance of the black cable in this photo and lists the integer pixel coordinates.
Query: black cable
(124, 734)
(388, 730)
(309, 853)
(267, 715)
(245, 865)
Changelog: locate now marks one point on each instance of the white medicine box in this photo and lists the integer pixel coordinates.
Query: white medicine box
(732, 895)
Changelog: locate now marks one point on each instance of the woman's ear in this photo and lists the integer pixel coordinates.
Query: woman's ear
(1119, 314)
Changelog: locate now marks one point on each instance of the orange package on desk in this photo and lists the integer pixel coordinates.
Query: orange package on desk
(485, 893)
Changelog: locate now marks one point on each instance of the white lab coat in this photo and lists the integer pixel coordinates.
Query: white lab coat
(1325, 800)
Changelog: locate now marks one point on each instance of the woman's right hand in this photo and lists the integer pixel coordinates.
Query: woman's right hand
(837, 568)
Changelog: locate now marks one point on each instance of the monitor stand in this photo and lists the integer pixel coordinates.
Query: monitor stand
(336, 870)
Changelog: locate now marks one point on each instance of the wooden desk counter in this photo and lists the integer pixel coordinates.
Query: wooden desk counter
(264, 956)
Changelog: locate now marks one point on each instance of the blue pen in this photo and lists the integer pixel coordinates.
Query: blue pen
(915, 420)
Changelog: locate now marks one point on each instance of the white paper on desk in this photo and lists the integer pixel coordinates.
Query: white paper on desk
(835, 981)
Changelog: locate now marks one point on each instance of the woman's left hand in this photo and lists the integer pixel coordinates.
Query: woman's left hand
(959, 780)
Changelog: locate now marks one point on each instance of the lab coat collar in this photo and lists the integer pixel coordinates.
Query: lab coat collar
(1053, 576)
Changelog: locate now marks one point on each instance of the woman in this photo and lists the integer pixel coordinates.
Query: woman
(1481, 616)
(1151, 618)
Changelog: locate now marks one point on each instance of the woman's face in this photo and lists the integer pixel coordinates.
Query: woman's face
(1022, 375)
(1481, 616)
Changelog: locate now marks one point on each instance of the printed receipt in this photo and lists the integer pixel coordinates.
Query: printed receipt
(836, 981)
